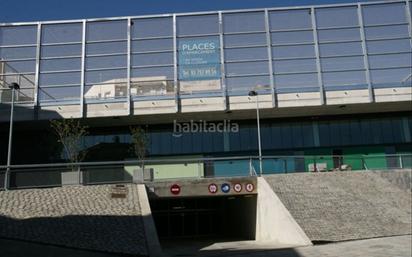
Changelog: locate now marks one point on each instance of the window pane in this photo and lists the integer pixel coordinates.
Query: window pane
(342, 63)
(384, 14)
(152, 45)
(347, 78)
(293, 51)
(245, 40)
(20, 66)
(296, 82)
(54, 94)
(246, 53)
(60, 33)
(60, 64)
(196, 25)
(336, 17)
(106, 30)
(62, 50)
(106, 48)
(149, 73)
(290, 19)
(233, 69)
(59, 79)
(108, 76)
(112, 90)
(390, 60)
(338, 35)
(304, 65)
(245, 84)
(292, 37)
(338, 49)
(152, 27)
(242, 22)
(152, 59)
(389, 46)
(391, 77)
(18, 35)
(386, 32)
(106, 62)
(17, 53)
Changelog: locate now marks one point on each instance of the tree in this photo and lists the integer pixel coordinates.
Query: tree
(140, 142)
(70, 133)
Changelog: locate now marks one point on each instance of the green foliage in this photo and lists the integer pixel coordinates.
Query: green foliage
(70, 133)
(140, 141)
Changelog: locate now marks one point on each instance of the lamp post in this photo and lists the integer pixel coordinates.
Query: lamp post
(13, 87)
(255, 94)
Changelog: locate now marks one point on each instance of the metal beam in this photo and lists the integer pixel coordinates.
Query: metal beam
(82, 81)
(37, 75)
(317, 54)
(270, 62)
(222, 64)
(129, 49)
(175, 74)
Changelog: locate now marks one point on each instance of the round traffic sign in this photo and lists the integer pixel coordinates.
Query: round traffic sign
(212, 188)
(237, 187)
(250, 187)
(225, 188)
(175, 189)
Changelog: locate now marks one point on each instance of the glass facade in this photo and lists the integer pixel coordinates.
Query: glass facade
(307, 49)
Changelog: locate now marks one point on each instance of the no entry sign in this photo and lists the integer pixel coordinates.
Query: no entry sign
(175, 189)
(212, 188)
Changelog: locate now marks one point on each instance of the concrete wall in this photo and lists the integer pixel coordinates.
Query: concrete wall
(336, 206)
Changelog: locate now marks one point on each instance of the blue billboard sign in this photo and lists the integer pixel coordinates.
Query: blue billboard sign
(199, 59)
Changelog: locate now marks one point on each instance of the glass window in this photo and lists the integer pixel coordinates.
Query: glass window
(290, 19)
(152, 59)
(61, 50)
(390, 60)
(296, 82)
(292, 37)
(152, 45)
(106, 30)
(384, 13)
(17, 53)
(61, 33)
(20, 66)
(60, 79)
(336, 17)
(245, 39)
(333, 35)
(58, 94)
(197, 25)
(18, 35)
(260, 67)
(388, 46)
(391, 77)
(293, 51)
(342, 63)
(244, 22)
(162, 72)
(103, 62)
(304, 65)
(245, 84)
(392, 31)
(340, 49)
(346, 78)
(152, 27)
(106, 48)
(246, 53)
(60, 64)
(108, 76)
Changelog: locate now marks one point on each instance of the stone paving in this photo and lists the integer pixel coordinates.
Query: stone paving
(338, 206)
(85, 217)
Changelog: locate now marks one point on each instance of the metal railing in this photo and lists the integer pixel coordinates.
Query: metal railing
(92, 173)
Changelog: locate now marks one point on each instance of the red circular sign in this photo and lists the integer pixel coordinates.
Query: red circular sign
(175, 189)
(237, 187)
(212, 188)
(250, 187)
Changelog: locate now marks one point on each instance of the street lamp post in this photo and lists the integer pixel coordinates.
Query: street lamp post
(13, 87)
(255, 94)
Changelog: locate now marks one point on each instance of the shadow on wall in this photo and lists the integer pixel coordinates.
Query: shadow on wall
(124, 235)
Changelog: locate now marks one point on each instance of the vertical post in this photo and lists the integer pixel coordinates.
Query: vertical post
(270, 62)
(129, 49)
(259, 141)
(250, 167)
(82, 112)
(318, 66)
(7, 174)
(222, 62)
(365, 55)
(37, 75)
(175, 74)
(400, 162)
(409, 18)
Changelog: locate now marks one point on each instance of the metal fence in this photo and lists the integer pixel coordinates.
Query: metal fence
(92, 173)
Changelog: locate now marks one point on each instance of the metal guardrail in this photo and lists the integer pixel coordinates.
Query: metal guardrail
(92, 173)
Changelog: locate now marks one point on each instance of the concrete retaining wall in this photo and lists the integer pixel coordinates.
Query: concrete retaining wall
(336, 206)
(84, 217)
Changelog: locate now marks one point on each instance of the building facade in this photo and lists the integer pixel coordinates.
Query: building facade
(332, 82)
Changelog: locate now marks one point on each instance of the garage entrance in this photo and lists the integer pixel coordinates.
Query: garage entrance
(220, 218)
